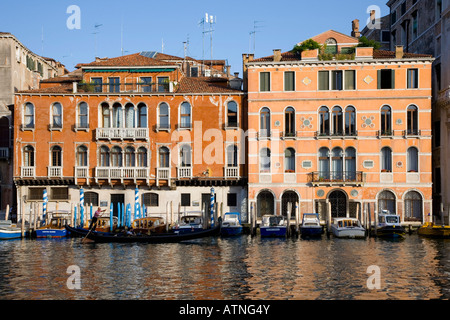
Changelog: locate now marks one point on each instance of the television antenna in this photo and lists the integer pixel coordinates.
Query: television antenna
(95, 33)
(255, 27)
(211, 20)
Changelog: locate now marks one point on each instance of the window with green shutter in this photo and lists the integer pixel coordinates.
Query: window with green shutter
(289, 81)
(349, 76)
(386, 79)
(324, 83)
(264, 81)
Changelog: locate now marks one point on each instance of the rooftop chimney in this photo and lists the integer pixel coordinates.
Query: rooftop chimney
(398, 52)
(276, 55)
(355, 29)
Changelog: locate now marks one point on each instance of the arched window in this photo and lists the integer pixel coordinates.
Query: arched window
(28, 115)
(350, 164)
(185, 156)
(164, 122)
(337, 163)
(164, 156)
(117, 115)
(142, 115)
(129, 157)
(350, 121)
(386, 159)
(386, 126)
(412, 119)
(57, 115)
(413, 206)
(331, 46)
(116, 157)
(185, 115)
(142, 157)
(232, 156)
(289, 160)
(104, 156)
(129, 116)
(28, 156)
(106, 115)
(56, 153)
(264, 122)
(232, 114)
(289, 122)
(412, 159)
(386, 201)
(324, 163)
(324, 121)
(264, 160)
(83, 115)
(82, 156)
(337, 121)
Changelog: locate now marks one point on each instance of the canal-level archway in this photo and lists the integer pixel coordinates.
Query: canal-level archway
(265, 203)
(338, 201)
(289, 196)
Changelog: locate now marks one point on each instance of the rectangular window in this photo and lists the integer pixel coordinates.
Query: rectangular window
(146, 84)
(98, 84)
(91, 198)
(232, 199)
(393, 17)
(289, 81)
(414, 25)
(350, 82)
(437, 133)
(59, 193)
(386, 79)
(403, 8)
(185, 199)
(36, 193)
(163, 84)
(413, 78)
(324, 83)
(264, 81)
(385, 36)
(150, 199)
(114, 84)
(336, 80)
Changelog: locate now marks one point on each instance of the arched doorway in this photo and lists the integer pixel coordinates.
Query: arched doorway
(265, 203)
(338, 201)
(288, 197)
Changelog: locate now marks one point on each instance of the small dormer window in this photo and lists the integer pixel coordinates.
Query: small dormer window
(331, 46)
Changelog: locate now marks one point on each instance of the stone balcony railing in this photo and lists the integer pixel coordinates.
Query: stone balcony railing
(121, 134)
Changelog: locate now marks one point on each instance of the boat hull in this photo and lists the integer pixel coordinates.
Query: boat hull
(51, 233)
(157, 238)
(391, 232)
(10, 234)
(352, 233)
(434, 231)
(311, 231)
(279, 231)
(231, 231)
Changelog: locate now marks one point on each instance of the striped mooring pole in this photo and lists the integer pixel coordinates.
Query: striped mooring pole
(212, 207)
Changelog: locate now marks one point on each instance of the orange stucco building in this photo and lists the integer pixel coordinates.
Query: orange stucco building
(133, 121)
(340, 135)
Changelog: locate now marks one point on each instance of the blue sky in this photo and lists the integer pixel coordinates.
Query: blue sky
(144, 25)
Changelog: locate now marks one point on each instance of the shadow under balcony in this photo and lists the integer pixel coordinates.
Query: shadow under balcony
(337, 178)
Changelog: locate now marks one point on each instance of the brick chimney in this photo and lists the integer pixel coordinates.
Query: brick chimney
(276, 55)
(398, 52)
(246, 58)
(355, 29)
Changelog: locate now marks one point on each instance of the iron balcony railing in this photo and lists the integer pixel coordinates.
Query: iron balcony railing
(335, 134)
(114, 87)
(336, 177)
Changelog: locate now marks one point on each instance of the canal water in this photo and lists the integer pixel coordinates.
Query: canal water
(237, 268)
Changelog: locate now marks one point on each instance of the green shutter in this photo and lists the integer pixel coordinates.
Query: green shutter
(323, 80)
(349, 80)
(289, 81)
(264, 81)
(392, 79)
(379, 78)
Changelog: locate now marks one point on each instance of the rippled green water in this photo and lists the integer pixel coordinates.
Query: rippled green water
(227, 268)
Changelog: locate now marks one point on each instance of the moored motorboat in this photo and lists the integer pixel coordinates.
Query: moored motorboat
(347, 228)
(429, 229)
(129, 237)
(188, 223)
(149, 225)
(9, 230)
(310, 226)
(389, 225)
(273, 226)
(56, 227)
(231, 224)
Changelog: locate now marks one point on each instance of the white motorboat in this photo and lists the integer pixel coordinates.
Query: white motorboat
(347, 228)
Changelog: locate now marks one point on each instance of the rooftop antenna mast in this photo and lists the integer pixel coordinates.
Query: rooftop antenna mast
(95, 33)
(202, 22)
(162, 45)
(255, 27)
(212, 20)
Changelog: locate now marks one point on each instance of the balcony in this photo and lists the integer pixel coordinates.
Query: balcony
(412, 133)
(231, 172)
(288, 135)
(184, 172)
(331, 178)
(162, 174)
(121, 173)
(336, 134)
(121, 134)
(128, 87)
(385, 133)
(82, 173)
(27, 172)
(54, 172)
(4, 153)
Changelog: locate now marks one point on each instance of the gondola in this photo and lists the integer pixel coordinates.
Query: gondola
(154, 238)
(79, 231)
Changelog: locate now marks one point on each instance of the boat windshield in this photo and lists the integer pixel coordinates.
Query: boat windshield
(348, 223)
(392, 219)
